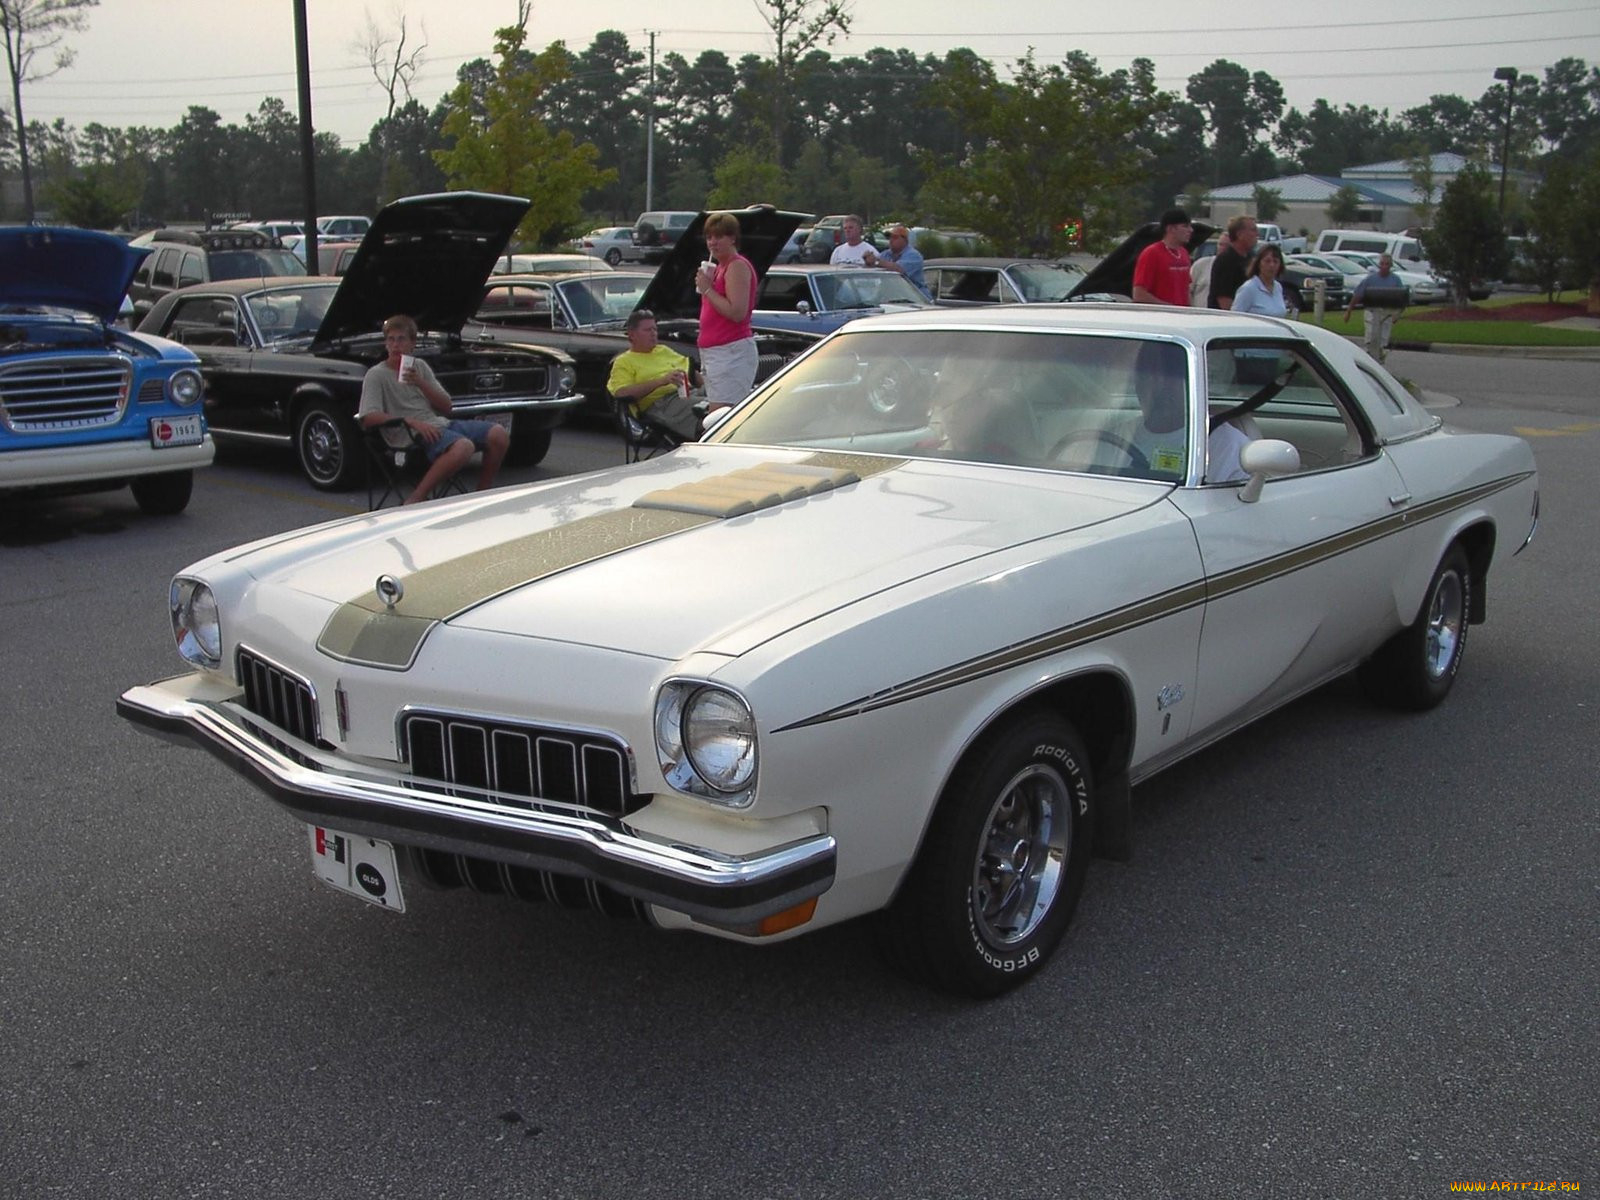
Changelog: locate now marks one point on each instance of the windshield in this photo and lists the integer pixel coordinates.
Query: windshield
(837, 290)
(1045, 282)
(286, 313)
(602, 298)
(1060, 401)
(249, 264)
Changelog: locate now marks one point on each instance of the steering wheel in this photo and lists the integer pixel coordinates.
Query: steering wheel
(1137, 460)
(885, 386)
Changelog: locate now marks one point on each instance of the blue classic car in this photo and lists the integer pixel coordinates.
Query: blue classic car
(819, 299)
(85, 406)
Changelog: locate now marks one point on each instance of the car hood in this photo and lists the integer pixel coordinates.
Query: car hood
(598, 561)
(426, 256)
(69, 268)
(763, 230)
(1114, 273)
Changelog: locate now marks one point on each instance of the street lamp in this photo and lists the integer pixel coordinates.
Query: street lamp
(1508, 76)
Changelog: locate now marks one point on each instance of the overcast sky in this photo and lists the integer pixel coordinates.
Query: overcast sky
(144, 62)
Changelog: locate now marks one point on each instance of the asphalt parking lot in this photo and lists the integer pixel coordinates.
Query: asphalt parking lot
(1354, 955)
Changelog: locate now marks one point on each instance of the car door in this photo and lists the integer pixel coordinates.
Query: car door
(1298, 582)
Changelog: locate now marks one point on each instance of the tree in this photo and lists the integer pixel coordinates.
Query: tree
(508, 149)
(29, 27)
(96, 198)
(1345, 207)
(745, 176)
(1268, 202)
(1550, 211)
(1238, 106)
(1057, 141)
(1467, 242)
(394, 65)
(798, 26)
(1568, 107)
(1582, 245)
(1447, 122)
(1421, 165)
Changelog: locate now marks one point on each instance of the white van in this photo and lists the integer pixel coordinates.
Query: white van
(1406, 251)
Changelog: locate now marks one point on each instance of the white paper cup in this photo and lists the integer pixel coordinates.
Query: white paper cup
(407, 361)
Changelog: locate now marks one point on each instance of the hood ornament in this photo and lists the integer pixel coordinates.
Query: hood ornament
(390, 590)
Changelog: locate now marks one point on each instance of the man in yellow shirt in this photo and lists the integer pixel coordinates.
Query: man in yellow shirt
(654, 377)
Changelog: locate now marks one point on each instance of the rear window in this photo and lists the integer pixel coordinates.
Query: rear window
(250, 264)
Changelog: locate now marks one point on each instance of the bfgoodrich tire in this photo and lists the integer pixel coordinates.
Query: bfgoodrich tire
(1415, 669)
(165, 494)
(1002, 866)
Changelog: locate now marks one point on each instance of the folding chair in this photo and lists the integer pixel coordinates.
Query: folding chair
(642, 438)
(398, 469)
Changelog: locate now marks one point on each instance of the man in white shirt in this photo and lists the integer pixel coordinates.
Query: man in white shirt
(853, 251)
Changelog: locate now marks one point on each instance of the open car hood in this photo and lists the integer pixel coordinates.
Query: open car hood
(1115, 272)
(67, 268)
(763, 230)
(426, 256)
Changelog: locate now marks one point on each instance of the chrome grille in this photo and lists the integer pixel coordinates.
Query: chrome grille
(555, 765)
(275, 695)
(68, 393)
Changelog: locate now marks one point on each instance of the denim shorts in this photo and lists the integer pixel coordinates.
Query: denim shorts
(476, 432)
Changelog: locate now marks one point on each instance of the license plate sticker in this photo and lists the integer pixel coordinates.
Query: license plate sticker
(362, 867)
(166, 432)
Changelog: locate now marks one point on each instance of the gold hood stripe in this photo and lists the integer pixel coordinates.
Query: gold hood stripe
(364, 630)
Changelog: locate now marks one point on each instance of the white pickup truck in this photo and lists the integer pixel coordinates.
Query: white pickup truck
(1272, 235)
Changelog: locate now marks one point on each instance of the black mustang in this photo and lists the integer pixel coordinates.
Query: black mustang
(283, 358)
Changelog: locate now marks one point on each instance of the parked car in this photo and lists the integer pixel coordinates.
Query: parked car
(613, 243)
(896, 638)
(1426, 288)
(183, 257)
(1270, 233)
(1407, 251)
(794, 248)
(812, 298)
(583, 315)
(343, 226)
(279, 229)
(86, 406)
(284, 358)
(655, 233)
(546, 264)
(962, 281)
(334, 258)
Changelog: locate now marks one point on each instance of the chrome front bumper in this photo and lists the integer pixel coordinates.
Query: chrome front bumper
(325, 788)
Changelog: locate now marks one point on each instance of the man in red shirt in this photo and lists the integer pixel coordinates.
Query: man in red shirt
(1161, 276)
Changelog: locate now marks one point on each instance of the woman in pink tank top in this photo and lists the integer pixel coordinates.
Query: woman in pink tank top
(727, 296)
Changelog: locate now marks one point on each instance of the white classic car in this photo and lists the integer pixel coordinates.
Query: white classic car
(897, 636)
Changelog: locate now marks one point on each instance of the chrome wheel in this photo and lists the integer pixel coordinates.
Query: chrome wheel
(1446, 617)
(1022, 859)
(322, 447)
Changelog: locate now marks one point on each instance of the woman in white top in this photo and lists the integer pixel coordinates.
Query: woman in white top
(1261, 292)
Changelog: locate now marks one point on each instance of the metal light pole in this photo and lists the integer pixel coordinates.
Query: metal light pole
(1508, 76)
(308, 141)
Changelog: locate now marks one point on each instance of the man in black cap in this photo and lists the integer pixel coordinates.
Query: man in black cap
(1161, 276)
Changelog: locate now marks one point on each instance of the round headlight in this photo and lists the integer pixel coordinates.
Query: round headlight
(185, 387)
(719, 737)
(196, 623)
(569, 379)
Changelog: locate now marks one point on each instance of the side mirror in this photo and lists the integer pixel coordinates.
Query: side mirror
(1264, 460)
(803, 308)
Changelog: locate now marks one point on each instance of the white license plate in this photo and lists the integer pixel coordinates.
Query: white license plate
(362, 867)
(501, 419)
(166, 432)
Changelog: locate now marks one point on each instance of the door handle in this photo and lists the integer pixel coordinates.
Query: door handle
(1400, 501)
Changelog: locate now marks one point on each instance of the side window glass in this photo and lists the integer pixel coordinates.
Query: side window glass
(189, 272)
(1308, 412)
(165, 268)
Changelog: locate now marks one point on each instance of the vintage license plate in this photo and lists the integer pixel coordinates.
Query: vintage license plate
(166, 432)
(362, 867)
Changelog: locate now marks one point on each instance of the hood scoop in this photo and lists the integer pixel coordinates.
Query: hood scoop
(739, 493)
